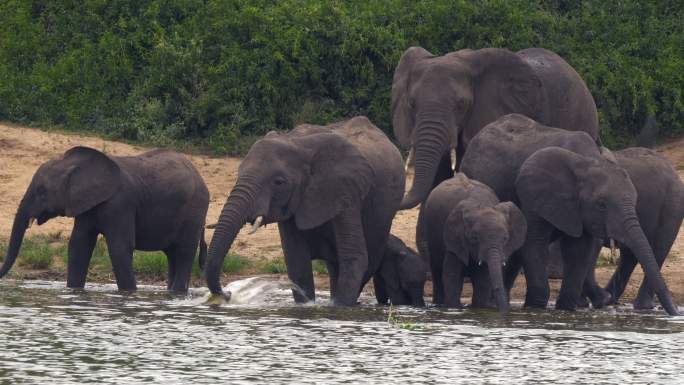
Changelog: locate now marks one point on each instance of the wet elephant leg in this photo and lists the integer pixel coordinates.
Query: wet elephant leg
(598, 296)
(452, 277)
(576, 264)
(618, 282)
(184, 256)
(298, 261)
(121, 254)
(482, 289)
(81, 245)
(534, 253)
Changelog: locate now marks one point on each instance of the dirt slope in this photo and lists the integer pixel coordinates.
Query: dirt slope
(22, 150)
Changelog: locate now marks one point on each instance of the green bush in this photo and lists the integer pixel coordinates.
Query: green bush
(151, 263)
(234, 263)
(36, 253)
(273, 266)
(218, 72)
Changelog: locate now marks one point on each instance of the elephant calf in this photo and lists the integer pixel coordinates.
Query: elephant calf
(402, 275)
(467, 226)
(660, 209)
(153, 201)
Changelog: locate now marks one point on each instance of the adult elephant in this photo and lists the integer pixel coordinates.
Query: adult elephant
(153, 201)
(439, 103)
(332, 190)
(567, 189)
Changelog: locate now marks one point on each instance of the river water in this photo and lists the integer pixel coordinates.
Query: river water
(54, 335)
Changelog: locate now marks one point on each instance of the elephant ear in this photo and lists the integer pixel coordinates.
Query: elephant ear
(455, 234)
(92, 179)
(517, 226)
(340, 178)
(402, 114)
(547, 185)
(503, 83)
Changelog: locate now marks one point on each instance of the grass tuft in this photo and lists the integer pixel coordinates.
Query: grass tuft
(273, 266)
(234, 263)
(319, 267)
(152, 263)
(37, 253)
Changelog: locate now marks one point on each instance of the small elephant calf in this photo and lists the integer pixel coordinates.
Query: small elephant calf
(402, 275)
(466, 226)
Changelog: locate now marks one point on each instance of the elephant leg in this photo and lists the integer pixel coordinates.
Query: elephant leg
(512, 271)
(577, 257)
(352, 256)
(171, 258)
(81, 245)
(661, 248)
(534, 253)
(183, 255)
(298, 260)
(482, 289)
(332, 275)
(121, 253)
(591, 289)
(618, 282)
(380, 289)
(452, 274)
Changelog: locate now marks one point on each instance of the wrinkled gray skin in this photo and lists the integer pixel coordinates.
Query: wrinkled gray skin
(660, 209)
(442, 102)
(568, 190)
(467, 228)
(153, 201)
(401, 277)
(332, 190)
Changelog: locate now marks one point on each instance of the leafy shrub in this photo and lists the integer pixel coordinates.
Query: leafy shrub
(216, 72)
(151, 263)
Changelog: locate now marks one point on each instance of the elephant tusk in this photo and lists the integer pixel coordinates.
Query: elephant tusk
(452, 154)
(256, 224)
(31, 222)
(503, 263)
(409, 159)
(479, 263)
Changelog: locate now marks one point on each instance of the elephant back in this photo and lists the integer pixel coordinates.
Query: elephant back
(497, 152)
(566, 93)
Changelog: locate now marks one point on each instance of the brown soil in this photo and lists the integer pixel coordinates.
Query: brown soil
(23, 150)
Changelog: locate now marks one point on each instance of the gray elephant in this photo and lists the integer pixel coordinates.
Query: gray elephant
(467, 226)
(567, 189)
(660, 210)
(439, 103)
(401, 277)
(153, 201)
(332, 190)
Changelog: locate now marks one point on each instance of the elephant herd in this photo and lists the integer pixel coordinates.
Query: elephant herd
(507, 160)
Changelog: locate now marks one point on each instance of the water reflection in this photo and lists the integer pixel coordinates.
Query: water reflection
(55, 335)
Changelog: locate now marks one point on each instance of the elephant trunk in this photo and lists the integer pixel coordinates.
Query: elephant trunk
(21, 222)
(637, 242)
(234, 215)
(494, 264)
(431, 144)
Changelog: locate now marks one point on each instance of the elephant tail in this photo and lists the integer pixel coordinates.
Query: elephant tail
(203, 251)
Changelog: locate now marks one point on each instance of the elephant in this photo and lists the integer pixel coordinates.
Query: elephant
(154, 201)
(569, 189)
(401, 277)
(466, 226)
(660, 210)
(439, 103)
(333, 190)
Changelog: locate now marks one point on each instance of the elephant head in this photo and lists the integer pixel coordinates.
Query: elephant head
(485, 234)
(439, 101)
(579, 194)
(309, 175)
(80, 180)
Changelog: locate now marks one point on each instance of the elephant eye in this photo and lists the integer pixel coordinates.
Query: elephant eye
(601, 204)
(279, 181)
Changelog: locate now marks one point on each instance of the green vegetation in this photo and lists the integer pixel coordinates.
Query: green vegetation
(273, 266)
(217, 73)
(50, 252)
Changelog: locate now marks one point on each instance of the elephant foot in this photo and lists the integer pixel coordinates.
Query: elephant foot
(601, 299)
(643, 304)
(565, 303)
(219, 299)
(583, 302)
(536, 301)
